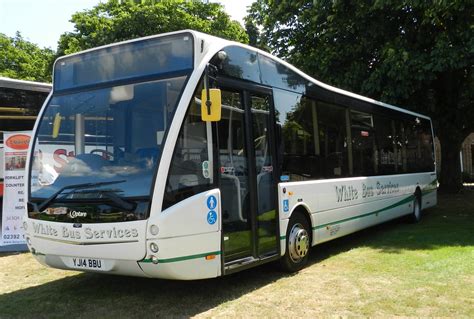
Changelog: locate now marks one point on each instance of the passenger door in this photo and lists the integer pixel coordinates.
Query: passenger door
(246, 175)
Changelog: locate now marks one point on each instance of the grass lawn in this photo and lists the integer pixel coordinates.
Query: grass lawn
(395, 269)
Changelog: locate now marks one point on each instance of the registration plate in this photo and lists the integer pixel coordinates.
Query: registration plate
(87, 263)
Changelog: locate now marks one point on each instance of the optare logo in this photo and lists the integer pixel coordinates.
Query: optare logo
(75, 213)
(18, 142)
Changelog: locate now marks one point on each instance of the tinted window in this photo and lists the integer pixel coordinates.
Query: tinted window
(333, 140)
(413, 153)
(425, 138)
(190, 170)
(363, 144)
(388, 155)
(417, 152)
(241, 63)
(277, 75)
(299, 133)
(313, 137)
(289, 110)
(18, 109)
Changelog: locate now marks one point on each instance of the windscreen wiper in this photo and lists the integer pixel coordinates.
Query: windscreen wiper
(50, 199)
(116, 199)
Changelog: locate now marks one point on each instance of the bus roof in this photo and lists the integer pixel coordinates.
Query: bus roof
(306, 76)
(24, 85)
(218, 44)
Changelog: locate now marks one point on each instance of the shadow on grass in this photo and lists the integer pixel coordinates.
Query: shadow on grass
(93, 295)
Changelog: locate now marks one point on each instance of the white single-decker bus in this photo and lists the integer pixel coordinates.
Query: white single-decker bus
(186, 156)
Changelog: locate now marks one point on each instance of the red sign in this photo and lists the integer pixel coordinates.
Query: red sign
(18, 142)
(364, 133)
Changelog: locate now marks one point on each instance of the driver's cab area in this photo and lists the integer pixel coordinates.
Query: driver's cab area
(117, 130)
(110, 138)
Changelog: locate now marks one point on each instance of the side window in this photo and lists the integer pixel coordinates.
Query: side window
(364, 150)
(401, 144)
(333, 140)
(416, 145)
(190, 171)
(312, 137)
(298, 137)
(277, 75)
(425, 140)
(240, 63)
(296, 146)
(17, 108)
(388, 155)
(413, 153)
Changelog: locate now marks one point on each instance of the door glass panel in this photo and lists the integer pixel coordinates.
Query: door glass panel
(233, 171)
(266, 214)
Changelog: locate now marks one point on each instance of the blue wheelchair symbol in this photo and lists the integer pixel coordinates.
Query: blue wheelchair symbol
(211, 217)
(286, 205)
(211, 202)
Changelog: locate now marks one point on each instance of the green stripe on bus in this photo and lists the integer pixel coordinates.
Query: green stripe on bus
(403, 201)
(182, 258)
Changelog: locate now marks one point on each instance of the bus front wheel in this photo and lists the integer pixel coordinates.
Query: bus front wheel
(298, 243)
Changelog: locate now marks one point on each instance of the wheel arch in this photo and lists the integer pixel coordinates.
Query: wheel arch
(303, 209)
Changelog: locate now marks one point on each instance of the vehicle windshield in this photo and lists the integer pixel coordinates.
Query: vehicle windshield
(103, 135)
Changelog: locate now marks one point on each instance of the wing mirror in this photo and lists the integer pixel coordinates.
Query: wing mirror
(211, 103)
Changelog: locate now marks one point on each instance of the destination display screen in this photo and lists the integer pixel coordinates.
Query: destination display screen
(143, 58)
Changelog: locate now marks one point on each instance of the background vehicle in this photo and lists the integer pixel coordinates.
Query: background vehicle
(153, 190)
(20, 103)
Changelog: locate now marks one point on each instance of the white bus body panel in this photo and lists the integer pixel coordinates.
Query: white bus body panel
(179, 257)
(186, 236)
(55, 244)
(342, 206)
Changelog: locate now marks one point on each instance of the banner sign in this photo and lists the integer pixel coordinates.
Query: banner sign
(14, 160)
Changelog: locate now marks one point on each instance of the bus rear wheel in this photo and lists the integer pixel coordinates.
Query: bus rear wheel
(298, 243)
(416, 214)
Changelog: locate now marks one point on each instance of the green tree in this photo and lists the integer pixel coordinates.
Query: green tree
(114, 21)
(21, 59)
(415, 54)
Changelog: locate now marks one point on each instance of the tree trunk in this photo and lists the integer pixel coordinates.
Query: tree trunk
(450, 177)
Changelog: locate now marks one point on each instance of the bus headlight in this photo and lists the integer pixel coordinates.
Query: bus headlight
(154, 247)
(154, 230)
(154, 259)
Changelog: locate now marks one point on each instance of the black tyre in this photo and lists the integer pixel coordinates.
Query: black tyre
(415, 216)
(298, 243)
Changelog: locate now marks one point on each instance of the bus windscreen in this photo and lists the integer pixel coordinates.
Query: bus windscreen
(104, 146)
